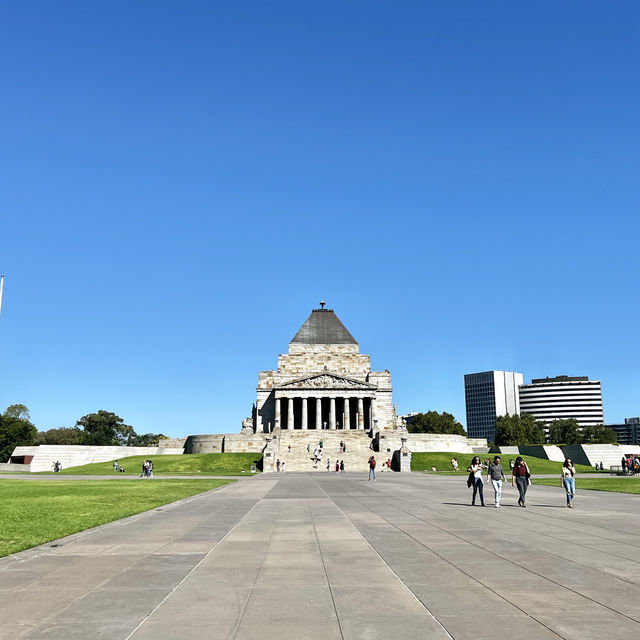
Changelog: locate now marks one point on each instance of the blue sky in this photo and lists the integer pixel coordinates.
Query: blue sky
(182, 182)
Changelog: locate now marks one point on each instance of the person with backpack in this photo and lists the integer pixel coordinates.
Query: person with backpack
(475, 480)
(372, 468)
(521, 474)
(568, 474)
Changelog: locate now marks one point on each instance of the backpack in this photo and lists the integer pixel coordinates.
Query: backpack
(373, 464)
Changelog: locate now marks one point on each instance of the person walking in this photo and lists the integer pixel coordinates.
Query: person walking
(496, 474)
(568, 481)
(278, 465)
(476, 471)
(521, 474)
(372, 468)
(328, 464)
(115, 466)
(341, 466)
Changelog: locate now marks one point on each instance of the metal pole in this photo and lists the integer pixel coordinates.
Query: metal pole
(1, 287)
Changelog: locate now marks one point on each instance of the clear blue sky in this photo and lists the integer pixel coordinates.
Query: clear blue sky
(181, 182)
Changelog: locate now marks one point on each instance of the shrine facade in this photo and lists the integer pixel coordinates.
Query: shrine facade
(323, 382)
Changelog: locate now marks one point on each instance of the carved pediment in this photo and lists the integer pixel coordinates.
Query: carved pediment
(327, 381)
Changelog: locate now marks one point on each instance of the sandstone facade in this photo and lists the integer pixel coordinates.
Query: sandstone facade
(322, 382)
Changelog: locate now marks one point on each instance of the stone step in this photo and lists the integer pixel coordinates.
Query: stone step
(292, 449)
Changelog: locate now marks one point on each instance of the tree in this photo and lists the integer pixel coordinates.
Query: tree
(146, 440)
(16, 430)
(598, 434)
(104, 428)
(518, 430)
(17, 411)
(564, 431)
(434, 422)
(533, 431)
(63, 435)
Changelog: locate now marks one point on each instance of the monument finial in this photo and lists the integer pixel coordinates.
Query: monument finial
(322, 303)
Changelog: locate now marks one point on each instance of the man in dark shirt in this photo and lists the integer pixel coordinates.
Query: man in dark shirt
(495, 473)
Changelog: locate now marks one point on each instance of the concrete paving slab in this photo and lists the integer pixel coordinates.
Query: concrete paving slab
(315, 556)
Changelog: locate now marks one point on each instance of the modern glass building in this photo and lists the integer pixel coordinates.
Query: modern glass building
(488, 395)
(627, 433)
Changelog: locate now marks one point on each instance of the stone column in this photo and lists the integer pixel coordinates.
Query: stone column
(346, 418)
(360, 413)
(289, 413)
(277, 420)
(318, 414)
(304, 414)
(332, 413)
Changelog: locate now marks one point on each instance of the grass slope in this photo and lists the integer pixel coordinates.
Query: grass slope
(442, 462)
(222, 464)
(618, 485)
(33, 512)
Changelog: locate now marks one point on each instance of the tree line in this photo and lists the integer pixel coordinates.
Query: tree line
(523, 429)
(520, 429)
(101, 428)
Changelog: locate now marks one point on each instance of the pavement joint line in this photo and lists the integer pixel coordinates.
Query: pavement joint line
(573, 543)
(402, 582)
(563, 586)
(173, 590)
(458, 568)
(255, 578)
(324, 566)
(529, 517)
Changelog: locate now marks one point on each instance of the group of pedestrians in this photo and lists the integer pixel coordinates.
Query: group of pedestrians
(147, 469)
(280, 466)
(520, 477)
(339, 466)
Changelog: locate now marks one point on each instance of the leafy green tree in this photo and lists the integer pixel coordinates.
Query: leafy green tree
(104, 428)
(16, 430)
(518, 430)
(17, 411)
(146, 440)
(598, 434)
(434, 422)
(564, 431)
(533, 431)
(63, 435)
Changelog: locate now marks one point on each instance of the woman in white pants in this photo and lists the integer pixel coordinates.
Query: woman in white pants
(496, 474)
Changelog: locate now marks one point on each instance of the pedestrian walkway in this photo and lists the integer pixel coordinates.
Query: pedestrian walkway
(333, 556)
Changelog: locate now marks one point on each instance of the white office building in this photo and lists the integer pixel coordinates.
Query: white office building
(549, 399)
(488, 395)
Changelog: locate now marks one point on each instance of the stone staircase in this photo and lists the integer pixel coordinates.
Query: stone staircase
(355, 457)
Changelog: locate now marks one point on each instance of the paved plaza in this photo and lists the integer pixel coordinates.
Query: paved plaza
(329, 556)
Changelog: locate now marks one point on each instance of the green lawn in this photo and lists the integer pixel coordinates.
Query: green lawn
(219, 464)
(619, 485)
(442, 462)
(33, 512)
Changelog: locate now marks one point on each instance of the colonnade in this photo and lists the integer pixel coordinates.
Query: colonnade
(312, 416)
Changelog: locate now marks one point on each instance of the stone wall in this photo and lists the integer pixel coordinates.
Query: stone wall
(226, 443)
(390, 441)
(205, 443)
(75, 455)
(241, 443)
(306, 359)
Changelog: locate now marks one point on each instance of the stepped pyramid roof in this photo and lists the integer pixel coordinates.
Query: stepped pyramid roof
(323, 327)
